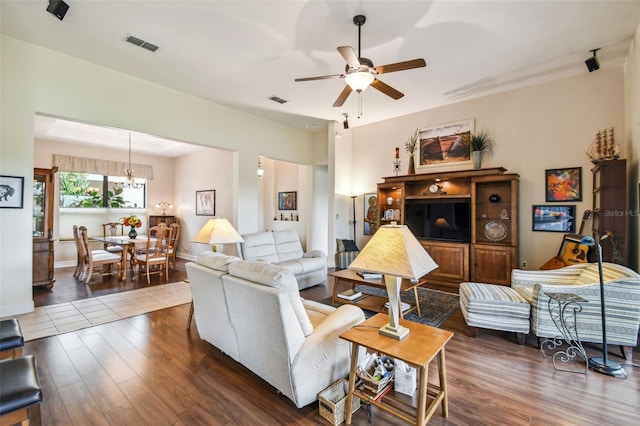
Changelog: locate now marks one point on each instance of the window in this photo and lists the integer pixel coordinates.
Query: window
(85, 190)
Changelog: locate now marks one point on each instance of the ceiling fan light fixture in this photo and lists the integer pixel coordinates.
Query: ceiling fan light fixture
(359, 80)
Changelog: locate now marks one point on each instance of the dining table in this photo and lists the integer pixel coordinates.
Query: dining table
(129, 246)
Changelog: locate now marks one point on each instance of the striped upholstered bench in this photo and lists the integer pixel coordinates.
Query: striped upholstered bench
(495, 307)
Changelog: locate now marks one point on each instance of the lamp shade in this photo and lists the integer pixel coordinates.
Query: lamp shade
(394, 250)
(359, 80)
(217, 231)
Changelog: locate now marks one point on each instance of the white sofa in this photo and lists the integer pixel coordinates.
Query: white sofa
(253, 312)
(283, 248)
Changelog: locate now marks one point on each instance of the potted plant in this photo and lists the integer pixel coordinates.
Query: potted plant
(410, 146)
(480, 145)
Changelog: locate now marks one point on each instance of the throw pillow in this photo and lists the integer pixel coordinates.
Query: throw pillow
(340, 245)
(350, 245)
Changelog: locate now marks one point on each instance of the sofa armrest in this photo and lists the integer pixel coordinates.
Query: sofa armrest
(314, 253)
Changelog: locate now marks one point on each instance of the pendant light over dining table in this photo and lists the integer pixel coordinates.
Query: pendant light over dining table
(130, 181)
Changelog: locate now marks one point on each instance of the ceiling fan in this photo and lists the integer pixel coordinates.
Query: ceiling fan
(360, 72)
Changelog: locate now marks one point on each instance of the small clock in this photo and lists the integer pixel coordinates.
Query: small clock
(436, 189)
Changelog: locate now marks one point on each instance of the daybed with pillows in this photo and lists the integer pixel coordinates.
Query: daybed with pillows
(283, 248)
(253, 312)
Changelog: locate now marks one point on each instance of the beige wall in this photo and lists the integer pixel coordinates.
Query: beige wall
(37, 80)
(542, 127)
(632, 143)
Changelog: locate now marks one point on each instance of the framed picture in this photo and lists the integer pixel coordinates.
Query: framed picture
(288, 200)
(445, 145)
(206, 202)
(11, 192)
(370, 213)
(563, 184)
(554, 218)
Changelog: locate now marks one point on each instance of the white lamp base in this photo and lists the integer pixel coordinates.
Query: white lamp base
(397, 333)
(393, 328)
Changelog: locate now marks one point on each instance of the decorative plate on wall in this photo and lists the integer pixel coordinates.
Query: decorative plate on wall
(495, 230)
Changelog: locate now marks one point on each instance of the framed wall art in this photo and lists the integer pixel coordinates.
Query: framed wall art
(563, 184)
(206, 202)
(11, 192)
(445, 145)
(288, 200)
(370, 213)
(554, 218)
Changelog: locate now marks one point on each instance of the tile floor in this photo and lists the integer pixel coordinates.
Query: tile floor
(64, 317)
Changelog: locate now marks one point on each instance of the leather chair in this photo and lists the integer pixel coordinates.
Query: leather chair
(11, 340)
(20, 391)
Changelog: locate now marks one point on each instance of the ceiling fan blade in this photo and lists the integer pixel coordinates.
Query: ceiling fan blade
(343, 96)
(322, 77)
(386, 89)
(349, 56)
(400, 66)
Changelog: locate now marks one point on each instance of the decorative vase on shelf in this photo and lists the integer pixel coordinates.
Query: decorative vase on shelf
(133, 233)
(476, 156)
(412, 167)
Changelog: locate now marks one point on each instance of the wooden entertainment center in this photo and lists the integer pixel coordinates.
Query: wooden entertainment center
(484, 250)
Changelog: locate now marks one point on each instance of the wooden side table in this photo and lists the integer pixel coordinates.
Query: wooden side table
(418, 349)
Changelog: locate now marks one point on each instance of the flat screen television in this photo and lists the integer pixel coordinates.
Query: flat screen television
(442, 219)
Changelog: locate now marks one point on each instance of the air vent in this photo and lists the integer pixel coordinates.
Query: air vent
(141, 43)
(278, 100)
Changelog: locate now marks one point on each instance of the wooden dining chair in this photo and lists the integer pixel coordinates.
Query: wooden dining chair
(113, 229)
(94, 258)
(173, 244)
(81, 256)
(154, 259)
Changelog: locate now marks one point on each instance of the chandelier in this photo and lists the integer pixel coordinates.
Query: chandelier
(130, 181)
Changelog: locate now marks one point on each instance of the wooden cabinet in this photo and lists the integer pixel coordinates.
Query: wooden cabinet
(43, 227)
(466, 220)
(166, 219)
(610, 210)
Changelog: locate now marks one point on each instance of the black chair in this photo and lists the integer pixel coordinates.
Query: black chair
(20, 391)
(11, 340)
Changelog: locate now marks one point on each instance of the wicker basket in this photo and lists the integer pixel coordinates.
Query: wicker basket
(333, 402)
(366, 376)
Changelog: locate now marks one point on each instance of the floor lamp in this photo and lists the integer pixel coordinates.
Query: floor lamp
(353, 202)
(395, 253)
(602, 364)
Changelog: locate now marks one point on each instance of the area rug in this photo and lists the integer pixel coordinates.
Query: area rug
(52, 320)
(436, 306)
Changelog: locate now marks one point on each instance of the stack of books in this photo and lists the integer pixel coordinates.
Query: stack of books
(369, 275)
(350, 295)
(374, 393)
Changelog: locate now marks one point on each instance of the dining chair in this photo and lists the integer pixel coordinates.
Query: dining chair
(173, 244)
(113, 229)
(155, 258)
(98, 258)
(81, 257)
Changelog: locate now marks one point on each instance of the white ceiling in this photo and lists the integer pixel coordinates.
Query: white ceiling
(240, 53)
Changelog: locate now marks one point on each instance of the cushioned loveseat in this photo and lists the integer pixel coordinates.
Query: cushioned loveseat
(621, 294)
(253, 312)
(283, 248)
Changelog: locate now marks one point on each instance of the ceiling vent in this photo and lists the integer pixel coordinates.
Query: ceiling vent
(141, 43)
(278, 100)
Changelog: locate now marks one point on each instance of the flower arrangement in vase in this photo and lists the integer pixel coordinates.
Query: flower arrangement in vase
(134, 222)
(410, 146)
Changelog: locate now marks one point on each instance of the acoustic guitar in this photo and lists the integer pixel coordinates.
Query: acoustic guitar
(573, 252)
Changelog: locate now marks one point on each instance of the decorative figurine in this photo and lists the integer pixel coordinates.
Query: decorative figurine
(396, 162)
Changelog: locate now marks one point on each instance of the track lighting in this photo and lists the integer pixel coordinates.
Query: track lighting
(345, 123)
(592, 62)
(58, 8)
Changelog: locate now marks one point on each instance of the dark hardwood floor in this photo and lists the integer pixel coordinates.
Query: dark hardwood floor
(150, 370)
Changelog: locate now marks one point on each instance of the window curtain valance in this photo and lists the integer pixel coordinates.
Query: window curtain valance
(68, 163)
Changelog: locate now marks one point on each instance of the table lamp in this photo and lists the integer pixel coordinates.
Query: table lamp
(600, 364)
(395, 253)
(218, 230)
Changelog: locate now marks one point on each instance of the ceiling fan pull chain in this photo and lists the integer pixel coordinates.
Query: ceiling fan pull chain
(359, 104)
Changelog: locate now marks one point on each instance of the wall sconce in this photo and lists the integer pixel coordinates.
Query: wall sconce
(260, 170)
(164, 205)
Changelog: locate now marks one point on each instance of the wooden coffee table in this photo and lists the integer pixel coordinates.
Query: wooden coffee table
(368, 301)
